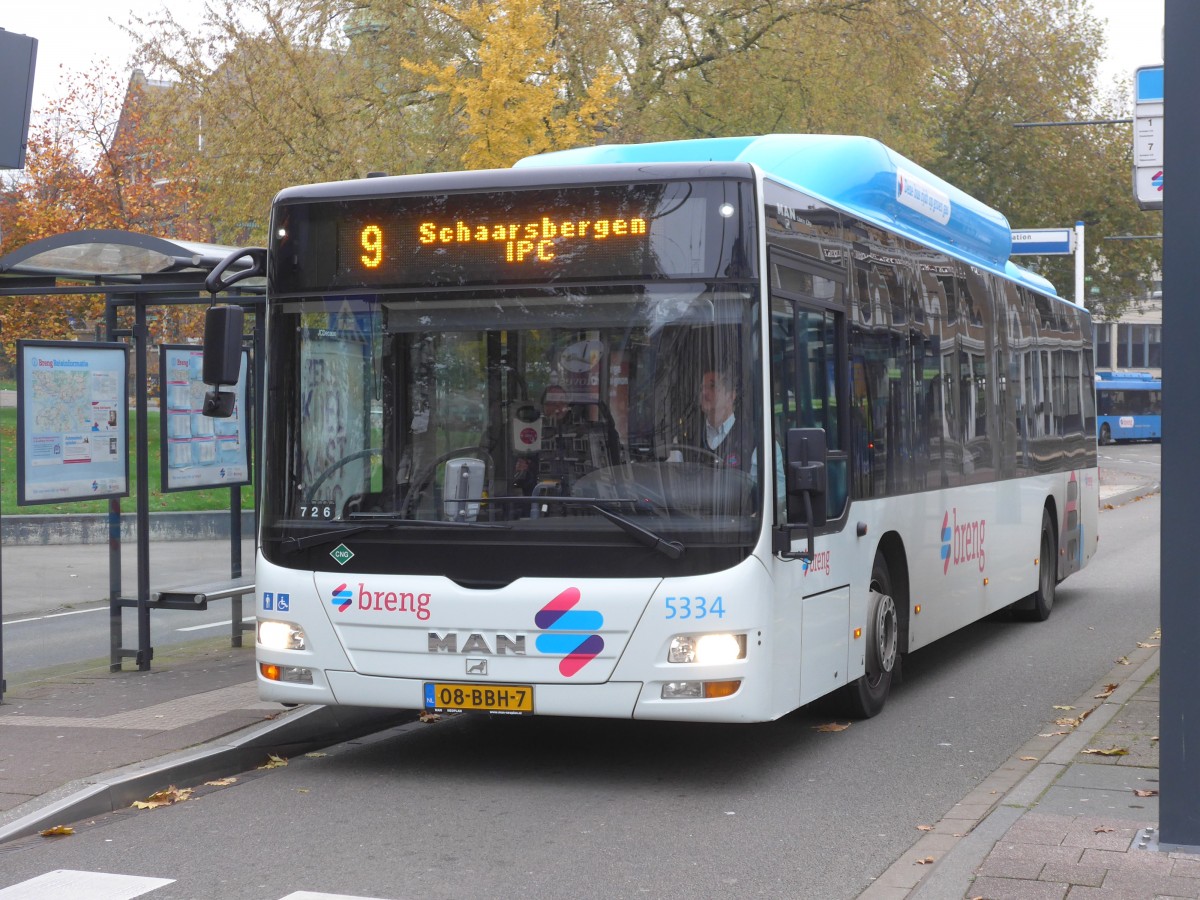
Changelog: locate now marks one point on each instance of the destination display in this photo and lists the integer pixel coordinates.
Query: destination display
(638, 231)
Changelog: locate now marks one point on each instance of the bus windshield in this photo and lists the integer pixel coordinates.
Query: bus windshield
(614, 417)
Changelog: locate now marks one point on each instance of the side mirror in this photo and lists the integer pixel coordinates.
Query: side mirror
(222, 358)
(807, 477)
(807, 484)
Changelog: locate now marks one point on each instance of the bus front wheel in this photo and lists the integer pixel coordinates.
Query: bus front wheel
(866, 695)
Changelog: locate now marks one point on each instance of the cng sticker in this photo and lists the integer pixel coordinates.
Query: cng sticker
(341, 554)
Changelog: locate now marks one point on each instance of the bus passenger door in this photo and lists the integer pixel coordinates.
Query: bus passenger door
(808, 391)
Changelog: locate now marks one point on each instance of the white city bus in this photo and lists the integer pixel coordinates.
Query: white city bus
(700, 430)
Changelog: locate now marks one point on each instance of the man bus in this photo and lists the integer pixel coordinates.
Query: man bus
(920, 421)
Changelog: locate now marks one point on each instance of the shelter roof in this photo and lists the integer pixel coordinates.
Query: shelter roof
(106, 256)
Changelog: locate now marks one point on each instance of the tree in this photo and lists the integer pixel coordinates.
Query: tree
(91, 164)
(511, 91)
(293, 91)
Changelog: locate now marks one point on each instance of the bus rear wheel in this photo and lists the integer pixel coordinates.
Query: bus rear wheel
(866, 695)
(1037, 606)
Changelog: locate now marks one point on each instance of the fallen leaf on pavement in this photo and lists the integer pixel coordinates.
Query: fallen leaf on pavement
(1103, 829)
(428, 717)
(1146, 793)
(222, 782)
(163, 798)
(1111, 751)
(1122, 661)
(1054, 733)
(315, 755)
(57, 830)
(831, 726)
(1107, 692)
(1146, 646)
(1029, 758)
(1064, 707)
(924, 828)
(274, 762)
(927, 861)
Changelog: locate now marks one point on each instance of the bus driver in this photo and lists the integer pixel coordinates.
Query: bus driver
(728, 439)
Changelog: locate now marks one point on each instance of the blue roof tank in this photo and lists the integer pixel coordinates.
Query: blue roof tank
(857, 174)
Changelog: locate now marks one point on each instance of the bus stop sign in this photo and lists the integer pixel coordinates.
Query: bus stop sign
(1148, 137)
(1042, 241)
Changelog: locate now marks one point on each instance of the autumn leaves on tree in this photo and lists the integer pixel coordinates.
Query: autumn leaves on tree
(269, 93)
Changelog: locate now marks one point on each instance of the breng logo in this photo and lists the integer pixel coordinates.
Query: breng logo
(559, 616)
(381, 601)
(962, 543)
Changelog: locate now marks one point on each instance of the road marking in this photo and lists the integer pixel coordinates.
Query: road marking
(223, 624)
(79, 885)
(89, 885)
(74, 612)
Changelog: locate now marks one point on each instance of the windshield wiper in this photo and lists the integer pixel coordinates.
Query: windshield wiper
(357, 523)
(644, 536)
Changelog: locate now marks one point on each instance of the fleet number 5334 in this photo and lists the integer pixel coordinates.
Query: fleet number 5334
(694, 607)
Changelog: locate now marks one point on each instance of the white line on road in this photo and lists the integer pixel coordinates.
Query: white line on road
(214, 624)
(70, 883)
(74, 612)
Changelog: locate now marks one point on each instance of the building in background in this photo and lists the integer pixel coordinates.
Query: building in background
(1133, 342)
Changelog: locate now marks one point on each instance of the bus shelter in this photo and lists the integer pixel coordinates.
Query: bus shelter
(141, 272)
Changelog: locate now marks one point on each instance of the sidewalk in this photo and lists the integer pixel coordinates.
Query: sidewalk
(1058, 819)
(74, 746)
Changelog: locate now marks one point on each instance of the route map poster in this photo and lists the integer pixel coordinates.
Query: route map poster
(72, 421)
(199, 451)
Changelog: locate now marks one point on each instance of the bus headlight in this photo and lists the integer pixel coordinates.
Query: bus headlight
(281, 636)
(707, 649)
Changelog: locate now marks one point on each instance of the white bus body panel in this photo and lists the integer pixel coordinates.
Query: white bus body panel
(969, 551)
(368, 645)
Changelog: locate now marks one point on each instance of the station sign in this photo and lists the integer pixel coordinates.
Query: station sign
(1043, 242)
(1148, 137)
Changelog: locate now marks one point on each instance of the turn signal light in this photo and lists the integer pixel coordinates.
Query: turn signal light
(292, 674)
(721, 688)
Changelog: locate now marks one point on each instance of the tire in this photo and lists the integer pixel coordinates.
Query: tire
(1105, 434)
(1041, 601)
(865, 696)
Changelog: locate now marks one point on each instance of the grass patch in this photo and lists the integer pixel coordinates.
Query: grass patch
(175, 501)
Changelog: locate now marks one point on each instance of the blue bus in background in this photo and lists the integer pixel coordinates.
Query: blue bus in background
(1128, 406)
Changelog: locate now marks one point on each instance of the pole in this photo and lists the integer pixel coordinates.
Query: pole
(1079, 296)
(3, 686)
(116, 638)
(140, 338)
(1179, 801)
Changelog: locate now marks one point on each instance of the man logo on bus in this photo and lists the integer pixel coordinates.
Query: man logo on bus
(560, 615)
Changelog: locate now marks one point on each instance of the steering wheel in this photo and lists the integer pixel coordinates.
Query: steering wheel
(425, 475)
(701, 452)
(344, 461)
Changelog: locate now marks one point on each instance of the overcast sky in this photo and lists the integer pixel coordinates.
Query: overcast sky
(76, 34)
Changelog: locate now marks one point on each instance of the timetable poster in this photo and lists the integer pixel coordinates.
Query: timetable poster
(199, 451)
(72, 421)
